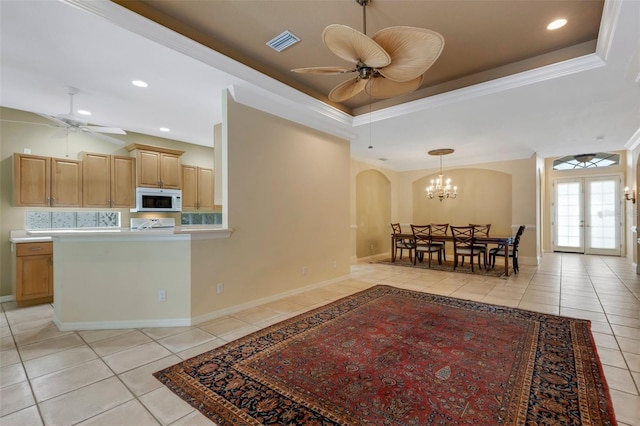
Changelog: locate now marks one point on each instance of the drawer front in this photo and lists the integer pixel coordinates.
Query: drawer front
(33, 249)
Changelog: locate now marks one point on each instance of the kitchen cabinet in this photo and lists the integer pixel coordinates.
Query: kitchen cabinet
(157, 167)
(197, 188)
(34, 273)
(46, 182)
(108, 181)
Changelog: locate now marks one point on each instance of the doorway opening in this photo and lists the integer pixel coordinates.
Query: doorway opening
(587, 215)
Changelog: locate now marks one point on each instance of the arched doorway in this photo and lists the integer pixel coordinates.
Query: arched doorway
(373, 213)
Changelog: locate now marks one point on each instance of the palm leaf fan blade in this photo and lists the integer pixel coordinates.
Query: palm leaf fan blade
(323, 70)
(381, 87)
(347, 89)
(412, 51)
(354, 46)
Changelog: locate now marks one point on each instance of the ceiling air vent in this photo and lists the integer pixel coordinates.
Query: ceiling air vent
(283, 41)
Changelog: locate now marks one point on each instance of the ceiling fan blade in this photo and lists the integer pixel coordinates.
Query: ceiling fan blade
(54, 119)
(101, 129)
(106, 138)
(324, 70)
(381, 87)
(354, 46)
(412, 51)
(346, 90)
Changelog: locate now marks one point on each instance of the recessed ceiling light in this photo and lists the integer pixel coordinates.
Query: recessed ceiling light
(165, 129)
(139, 83)
(83, 112)
(558, 23)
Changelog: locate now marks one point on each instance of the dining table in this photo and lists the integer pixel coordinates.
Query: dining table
(499, 240)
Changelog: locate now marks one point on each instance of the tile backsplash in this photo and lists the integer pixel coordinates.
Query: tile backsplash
(201, 219)
(102, 219)
(59, 220)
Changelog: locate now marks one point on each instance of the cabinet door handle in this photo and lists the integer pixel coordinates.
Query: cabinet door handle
(35, 248)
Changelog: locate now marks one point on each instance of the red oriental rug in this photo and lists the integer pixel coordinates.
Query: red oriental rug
(388, 356)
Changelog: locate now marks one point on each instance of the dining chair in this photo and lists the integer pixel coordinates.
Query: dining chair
(401, 243)
(463, 246)
(440, 229)
(481, 231)
(424, 244)
(513, 250)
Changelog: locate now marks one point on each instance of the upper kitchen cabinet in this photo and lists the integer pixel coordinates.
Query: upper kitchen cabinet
(157, 167)
(46, 182)
(197, 188)
(108, 180)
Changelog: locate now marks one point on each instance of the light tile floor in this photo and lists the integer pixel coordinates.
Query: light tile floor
(104, 377)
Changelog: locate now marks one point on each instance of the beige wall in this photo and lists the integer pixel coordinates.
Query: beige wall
(484, 196)
(15, 137)
(373, 213)
(288, 208)
(111, 283)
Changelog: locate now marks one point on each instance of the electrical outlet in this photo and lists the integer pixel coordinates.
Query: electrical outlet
(304, 270)
(220, 288)
(27, 151)
(372, 246)
(162, 296)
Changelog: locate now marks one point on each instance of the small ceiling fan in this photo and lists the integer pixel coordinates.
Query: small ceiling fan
(390, 63)
(71, 123)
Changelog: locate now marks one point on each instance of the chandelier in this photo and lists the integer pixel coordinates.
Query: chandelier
(441, 188)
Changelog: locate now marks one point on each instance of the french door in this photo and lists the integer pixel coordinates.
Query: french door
(587, 215)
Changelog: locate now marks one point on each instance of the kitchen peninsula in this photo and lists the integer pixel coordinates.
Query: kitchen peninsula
(122, 278)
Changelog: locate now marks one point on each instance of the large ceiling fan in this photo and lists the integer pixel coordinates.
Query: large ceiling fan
(390, 63)
(71, 123)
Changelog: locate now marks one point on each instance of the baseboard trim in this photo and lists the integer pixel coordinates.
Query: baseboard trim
(9, 298)
(114, 325)
(248, 305)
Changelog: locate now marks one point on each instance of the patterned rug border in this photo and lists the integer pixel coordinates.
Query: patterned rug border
(174, 376)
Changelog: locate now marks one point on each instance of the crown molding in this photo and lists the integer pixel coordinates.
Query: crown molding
(633, 141)
(608, 24)
(548, 72)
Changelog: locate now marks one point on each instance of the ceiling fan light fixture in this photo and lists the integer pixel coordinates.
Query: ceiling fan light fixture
(390, 63)
(165, 129)
(558, 23)
(140, 83)
(83, 112)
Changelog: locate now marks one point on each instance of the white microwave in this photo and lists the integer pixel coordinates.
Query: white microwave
(158, 200)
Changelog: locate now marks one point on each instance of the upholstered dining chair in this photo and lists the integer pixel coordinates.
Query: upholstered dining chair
(440, 229)
(481, 231)
(463, 246)
(423, 244)
(402, 243)
(513, 250)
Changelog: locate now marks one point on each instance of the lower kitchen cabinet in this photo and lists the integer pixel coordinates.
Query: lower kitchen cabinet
(34, 273)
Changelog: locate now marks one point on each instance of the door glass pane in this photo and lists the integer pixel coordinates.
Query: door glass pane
(568, 214)
(602, 214)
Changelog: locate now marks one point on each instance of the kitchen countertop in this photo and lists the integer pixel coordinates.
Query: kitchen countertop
(195, 231)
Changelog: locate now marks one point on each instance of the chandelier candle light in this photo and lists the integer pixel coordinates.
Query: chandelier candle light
(440, 187)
